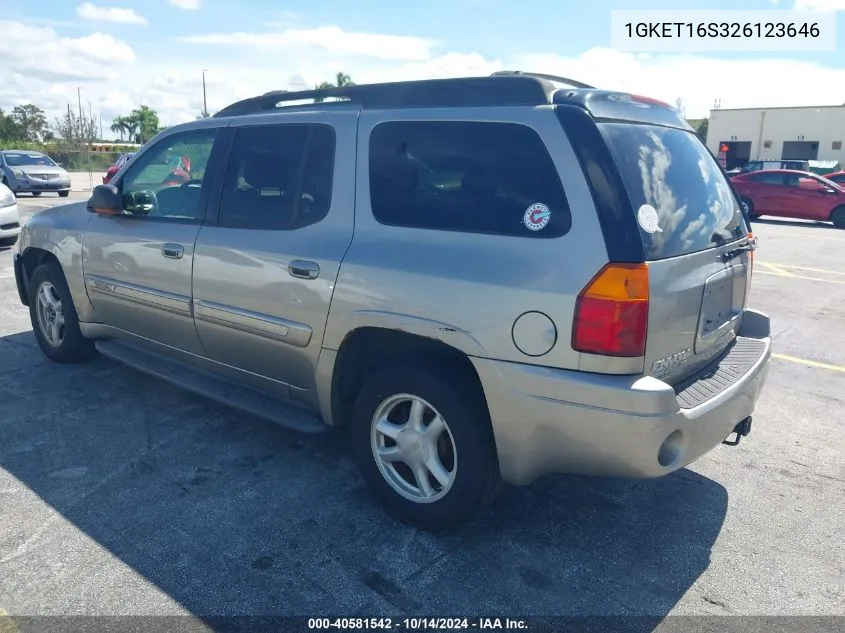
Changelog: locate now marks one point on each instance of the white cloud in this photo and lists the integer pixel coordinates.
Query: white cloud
(115, 80)
(327, 38)
(116, 15)
(819, 5)
(697, 79)
(188, 5)
(91, 58)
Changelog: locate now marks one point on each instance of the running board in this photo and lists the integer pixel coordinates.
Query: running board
(213, 387)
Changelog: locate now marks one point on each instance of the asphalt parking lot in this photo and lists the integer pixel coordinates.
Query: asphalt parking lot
(122, 495)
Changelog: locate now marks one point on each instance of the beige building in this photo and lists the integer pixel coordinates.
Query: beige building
(808, 133)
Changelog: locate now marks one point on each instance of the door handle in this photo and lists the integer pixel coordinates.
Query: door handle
(173, 251)
(304, 269)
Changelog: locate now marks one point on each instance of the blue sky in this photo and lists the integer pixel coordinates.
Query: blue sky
(123, 52)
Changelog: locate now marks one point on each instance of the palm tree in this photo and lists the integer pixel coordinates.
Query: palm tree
(119, 126)
(342, 80)
(146, 122)
(130, 124)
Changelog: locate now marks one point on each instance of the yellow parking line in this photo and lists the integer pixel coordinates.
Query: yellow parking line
(775, 269)
(809, 363)
(810, 270)
(7, 625)
(790, 276)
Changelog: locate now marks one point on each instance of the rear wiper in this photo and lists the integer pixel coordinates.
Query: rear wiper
(746, 246)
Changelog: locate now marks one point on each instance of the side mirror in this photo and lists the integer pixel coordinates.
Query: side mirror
(105, 200)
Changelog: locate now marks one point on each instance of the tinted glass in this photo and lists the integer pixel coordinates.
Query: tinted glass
(25, 159)
(670, 172)
(167, 179)
(838, 178)
(772, 179)
(278, 177)
(466, 176)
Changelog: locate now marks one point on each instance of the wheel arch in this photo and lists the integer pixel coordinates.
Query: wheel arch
(839, 210)
(31, 258)
(368, 349)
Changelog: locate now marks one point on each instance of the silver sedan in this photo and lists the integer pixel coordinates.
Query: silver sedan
(33, 172)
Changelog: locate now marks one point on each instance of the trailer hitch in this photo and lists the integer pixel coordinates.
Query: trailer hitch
(741, 430)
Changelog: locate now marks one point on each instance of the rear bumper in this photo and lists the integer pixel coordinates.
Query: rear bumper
(557, 421)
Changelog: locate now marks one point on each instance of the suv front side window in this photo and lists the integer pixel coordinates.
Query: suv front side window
(278, 177)
(166, 181)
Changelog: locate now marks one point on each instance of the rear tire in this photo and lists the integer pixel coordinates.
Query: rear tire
(64, 194)
(435, 480)
(54, 319)
(35, 194)
(838, 217)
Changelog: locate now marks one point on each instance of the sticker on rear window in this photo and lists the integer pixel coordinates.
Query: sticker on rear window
(537, 216)
(648, 219)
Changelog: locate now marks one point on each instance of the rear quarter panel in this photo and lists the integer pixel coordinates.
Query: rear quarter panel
(467, 289)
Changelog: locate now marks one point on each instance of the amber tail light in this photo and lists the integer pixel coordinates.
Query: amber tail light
(611, 312)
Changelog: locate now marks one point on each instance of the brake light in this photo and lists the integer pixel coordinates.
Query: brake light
(611, 313)
(650, 100)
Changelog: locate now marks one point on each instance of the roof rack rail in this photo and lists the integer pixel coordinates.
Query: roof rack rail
(562, 80)
(521, 89)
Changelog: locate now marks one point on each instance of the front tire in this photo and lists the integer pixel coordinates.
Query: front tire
(425, 446)
(64, 194)
(54, 319)
(35, 194)
(838, 217)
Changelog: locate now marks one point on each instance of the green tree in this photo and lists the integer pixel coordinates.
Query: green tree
(31, 121)
(131, 126)
(119, 126)
(702, 128)
(148, 123)
(341, 80)
(10, 131)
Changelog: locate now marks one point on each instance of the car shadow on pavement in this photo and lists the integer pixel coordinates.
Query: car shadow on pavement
(115, 475)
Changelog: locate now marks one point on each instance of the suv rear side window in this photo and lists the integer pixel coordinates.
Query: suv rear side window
(478, 177)
(673, 172)
(278, 177)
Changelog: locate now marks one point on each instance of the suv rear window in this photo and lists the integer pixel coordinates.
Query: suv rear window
(479, 177)
(671, 171)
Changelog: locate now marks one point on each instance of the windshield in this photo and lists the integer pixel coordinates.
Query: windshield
(828, 183)
(26, 159)
(682, 199)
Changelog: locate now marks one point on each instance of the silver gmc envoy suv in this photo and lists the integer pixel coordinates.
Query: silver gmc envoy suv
(484, 280)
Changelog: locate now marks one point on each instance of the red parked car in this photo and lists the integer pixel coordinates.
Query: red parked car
(791, 194)
(838, 177)
(120, 162)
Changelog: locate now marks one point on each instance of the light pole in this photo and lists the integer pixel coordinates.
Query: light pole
(204, 102)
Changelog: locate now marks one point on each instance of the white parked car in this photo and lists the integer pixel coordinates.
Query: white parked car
(10, 219)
